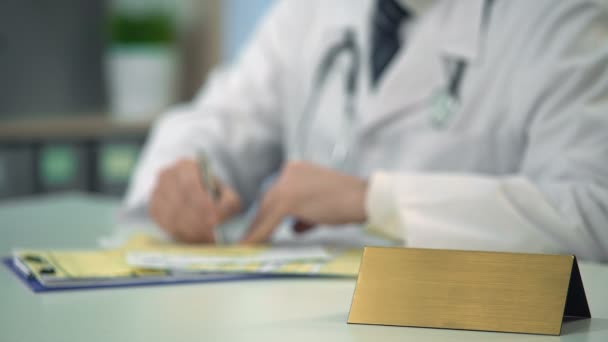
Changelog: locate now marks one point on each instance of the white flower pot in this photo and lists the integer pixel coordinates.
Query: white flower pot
(141, 80)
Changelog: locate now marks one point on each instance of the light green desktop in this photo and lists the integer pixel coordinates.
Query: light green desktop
(255, 310)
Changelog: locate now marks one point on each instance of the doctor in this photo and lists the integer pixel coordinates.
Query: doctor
(471, 124)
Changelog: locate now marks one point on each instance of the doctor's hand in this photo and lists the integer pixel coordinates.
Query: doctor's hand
(182, 207)
(311, 194)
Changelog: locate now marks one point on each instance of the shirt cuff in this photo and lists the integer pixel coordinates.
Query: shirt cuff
(383, 212)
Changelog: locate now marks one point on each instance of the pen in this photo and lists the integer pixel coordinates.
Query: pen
(211, 186)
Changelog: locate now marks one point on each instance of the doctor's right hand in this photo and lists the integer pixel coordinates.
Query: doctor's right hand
(182, 206)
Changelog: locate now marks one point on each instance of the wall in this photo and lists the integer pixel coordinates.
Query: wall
(240, 18)
(50, 53)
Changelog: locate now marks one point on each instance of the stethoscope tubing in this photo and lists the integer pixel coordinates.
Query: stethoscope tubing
(348, 44)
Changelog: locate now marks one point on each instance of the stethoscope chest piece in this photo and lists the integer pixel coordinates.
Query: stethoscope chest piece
(443, 107)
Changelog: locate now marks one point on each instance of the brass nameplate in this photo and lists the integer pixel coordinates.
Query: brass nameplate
(506, 292)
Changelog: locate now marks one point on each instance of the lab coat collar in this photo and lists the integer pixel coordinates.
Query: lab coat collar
(449, 30)
(463, 21)
(417, 7)
(460, 37)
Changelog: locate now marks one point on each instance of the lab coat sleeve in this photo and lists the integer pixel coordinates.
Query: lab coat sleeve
(236, 120)
(558, 201)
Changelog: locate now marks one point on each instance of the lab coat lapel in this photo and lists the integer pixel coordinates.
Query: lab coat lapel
(410, 80)
(450, 30)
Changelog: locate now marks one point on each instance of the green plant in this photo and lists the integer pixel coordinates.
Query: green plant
(149, 28)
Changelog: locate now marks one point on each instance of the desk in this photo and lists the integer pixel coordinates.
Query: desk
(259, 310)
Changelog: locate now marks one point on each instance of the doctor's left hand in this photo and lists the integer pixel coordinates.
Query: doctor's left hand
(312, 194)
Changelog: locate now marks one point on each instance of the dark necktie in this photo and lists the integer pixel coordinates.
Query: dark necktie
(387, 20)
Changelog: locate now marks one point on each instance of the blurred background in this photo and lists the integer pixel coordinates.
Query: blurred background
(82, 81)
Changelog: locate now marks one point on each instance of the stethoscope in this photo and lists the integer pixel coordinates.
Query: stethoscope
(340, 151)
(444, 103)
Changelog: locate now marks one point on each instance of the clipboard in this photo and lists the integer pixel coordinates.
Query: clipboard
(146, 261)
(35, 286)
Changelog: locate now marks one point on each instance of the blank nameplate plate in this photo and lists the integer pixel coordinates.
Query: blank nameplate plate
(504, 292)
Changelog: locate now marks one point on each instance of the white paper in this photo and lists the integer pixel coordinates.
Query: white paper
(277, 255)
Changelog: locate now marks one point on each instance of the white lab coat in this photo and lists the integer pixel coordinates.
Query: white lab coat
(522, 165)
